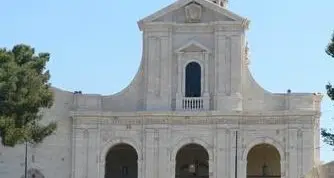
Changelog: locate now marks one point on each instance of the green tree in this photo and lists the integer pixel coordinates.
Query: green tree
(24, 91)
(327, 134)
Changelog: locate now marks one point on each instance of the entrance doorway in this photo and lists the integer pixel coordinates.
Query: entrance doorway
(263, 161)
(192, 162)
(121, 162)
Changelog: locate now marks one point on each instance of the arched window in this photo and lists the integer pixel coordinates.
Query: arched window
(193, 80)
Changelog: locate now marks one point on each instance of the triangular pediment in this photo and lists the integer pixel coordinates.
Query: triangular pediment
(193, 46)
(176, 12)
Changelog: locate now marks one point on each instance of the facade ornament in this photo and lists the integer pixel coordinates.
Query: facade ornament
(247, 54)
(245, 24)
(193, 13)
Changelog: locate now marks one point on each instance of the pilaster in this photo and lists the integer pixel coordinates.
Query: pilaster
(222, 153)
(158, 59)
(151, 154)
(92, 155)
(292, 153)
(236, 64)
(80, 139)
(153, 74)
(163, 153)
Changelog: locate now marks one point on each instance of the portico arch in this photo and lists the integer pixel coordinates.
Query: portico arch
(121, 162)
(203, 149)
(263, 140)
(129, 143)
(263, 156)
(192, 161)
(185, 141)
(117, 141)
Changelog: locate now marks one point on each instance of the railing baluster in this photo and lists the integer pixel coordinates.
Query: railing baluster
(192, 103)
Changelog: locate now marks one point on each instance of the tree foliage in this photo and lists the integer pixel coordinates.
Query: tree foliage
(330, 47)
(24, 91)
(327, 134)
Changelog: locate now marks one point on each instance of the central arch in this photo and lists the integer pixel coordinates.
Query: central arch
(121, 162)
(192, 161)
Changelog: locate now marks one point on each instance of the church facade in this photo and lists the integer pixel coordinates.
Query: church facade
(193, 110)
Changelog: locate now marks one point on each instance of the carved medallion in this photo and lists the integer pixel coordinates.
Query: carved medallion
(193, 13)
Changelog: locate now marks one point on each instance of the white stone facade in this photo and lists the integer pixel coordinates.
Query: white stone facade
(154, 116)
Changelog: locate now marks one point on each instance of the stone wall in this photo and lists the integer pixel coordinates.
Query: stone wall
(158, 138)
(322, 171)
(52, 157)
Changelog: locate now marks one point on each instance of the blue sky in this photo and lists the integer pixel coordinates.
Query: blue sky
(96, 46)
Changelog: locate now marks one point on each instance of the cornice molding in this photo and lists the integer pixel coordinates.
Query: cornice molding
(226, 26)
(285, 113)
(180, 3)
(204, 118)
(228, 121)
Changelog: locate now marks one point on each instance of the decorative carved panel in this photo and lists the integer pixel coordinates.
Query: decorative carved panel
(193, 13)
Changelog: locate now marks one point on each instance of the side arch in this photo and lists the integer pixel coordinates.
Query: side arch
(263, 140)
(113, 142)
(190, 140)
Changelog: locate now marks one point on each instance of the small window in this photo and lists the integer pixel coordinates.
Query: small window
(125, 171)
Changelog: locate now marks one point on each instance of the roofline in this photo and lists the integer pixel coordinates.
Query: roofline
(180, 3)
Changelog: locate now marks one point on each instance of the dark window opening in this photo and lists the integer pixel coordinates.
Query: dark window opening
(193, 80)
(124, 171)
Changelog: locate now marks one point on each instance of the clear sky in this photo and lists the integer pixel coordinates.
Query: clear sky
(96, 46)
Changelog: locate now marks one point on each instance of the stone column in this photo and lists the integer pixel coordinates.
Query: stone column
(236, 64)
(179, 94)
(283, 172)
(80, 154)
(211, 169)
(153, 72)
(164, 159)
(180, 73)
(300, 152)
(242, 173)
(140, 168)
(221, 70)
(150, 156)
(221, 53)
(206, 79)
(102, 167)
(172, 168)
(292, 150)
(92, 156)
(221, 153)
(165, 72)
(232, 149)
